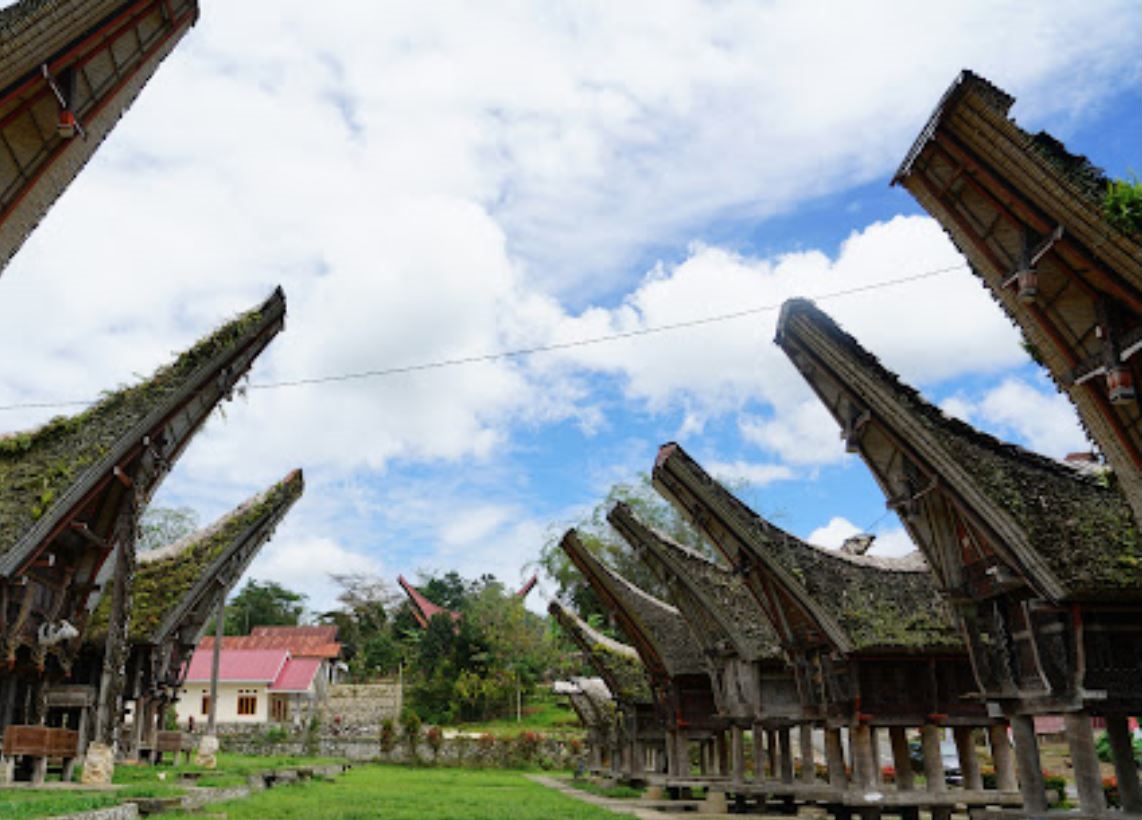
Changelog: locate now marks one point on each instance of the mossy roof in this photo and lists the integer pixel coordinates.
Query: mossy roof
(39, 467)
(618, 664)
(876, 603)
(1086, 179)
(659, 627)
(169, 578)
(1081, 530)
(715, 588)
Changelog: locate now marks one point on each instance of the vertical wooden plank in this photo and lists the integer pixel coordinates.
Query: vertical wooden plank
(1084, 759)
(901, 760)
(1031, 784)
(1121, 749)
(1003, 757)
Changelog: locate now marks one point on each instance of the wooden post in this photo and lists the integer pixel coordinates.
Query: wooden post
(786, 741)
(901, 760)
(1122, 750)
(1031, 784)
(758, 753)
(808, 765)
(771, 752)
(1088, 778)
(874, 744)
(1002, 757)
(215, 665)
(737, 755)
(969, 761)
(860, 741)
(835, 759)
(933, 762)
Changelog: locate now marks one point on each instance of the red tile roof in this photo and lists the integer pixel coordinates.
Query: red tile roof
(254, 666)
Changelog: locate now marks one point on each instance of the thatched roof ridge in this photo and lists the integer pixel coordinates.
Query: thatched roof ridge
(1073, 537)
(617, 663)
(862, 603)
(1084, 179)
(171, 580)
(42, 472)
(652, 625)
(728, 610)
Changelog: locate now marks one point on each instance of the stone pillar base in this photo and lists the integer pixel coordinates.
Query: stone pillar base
(98, 765)
(207, 755)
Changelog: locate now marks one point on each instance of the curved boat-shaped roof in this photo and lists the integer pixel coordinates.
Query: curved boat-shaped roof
(655, 628)
(1029, 217)
(69, 490)
(177, 588)
(960, 491)
(723, 615)
(812, 596)
(617, 664)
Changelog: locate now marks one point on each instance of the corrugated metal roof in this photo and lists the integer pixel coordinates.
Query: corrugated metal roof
(299, 646)
(296, 675)
(253, 666)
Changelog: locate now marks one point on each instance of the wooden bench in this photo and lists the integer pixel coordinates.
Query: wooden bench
(40, 744)
(173, 742)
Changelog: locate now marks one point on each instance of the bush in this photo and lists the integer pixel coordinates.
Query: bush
(388, 736)
(1122, 206)
(1110, 789)
(411, 725)
(1102, 747)
(1056, 785)
(274, 734)
(435, 739)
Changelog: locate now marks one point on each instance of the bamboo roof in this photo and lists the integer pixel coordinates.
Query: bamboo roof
(655, 628)
(1017, 202)
(723, 615)
(855, 603)
(617, 663)
(47, 472)
(177, 587)
(1068, 535)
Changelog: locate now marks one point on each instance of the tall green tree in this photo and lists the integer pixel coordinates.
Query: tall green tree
(263, 603)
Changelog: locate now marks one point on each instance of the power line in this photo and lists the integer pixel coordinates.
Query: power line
(481, 358)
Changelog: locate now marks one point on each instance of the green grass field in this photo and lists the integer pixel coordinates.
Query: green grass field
(397, 793)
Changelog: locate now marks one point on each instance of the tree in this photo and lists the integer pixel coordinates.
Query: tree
(159, 526)
(599, 537)
(265, 603)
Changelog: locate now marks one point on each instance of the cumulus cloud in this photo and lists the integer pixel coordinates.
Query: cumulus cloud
(1016, 410)
(435, 183)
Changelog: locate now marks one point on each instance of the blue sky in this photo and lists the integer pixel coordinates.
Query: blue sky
(439, 183)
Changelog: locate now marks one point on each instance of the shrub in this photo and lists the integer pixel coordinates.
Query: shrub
(1110, 789)
(1122, 206)
(388, 736)
(411, 725)
(1056, 785)
(275, 734)
(434, 736)
(528, 744)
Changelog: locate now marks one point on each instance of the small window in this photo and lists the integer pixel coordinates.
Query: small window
(206, 704)
(247, 704)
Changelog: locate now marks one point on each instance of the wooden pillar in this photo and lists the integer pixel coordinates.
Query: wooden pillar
(901, 760)
(860, 743)
(786, 740)
(835, 759)
(874, 742)
(637, 758)
(969, 761)
(723, 753)
(737, 755)
(1002, 757)
(1121, 749)
(808, 765)
(933, 763)
(771, 752)
(1031, 784)
(1084, 759)
(758, 753)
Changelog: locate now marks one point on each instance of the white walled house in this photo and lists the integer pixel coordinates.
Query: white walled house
(254, 686)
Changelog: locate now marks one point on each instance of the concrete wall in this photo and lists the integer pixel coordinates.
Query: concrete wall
(190, 703)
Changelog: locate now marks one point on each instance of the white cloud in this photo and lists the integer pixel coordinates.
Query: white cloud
(1015, 410)
(833, 534)
(435, 182)
(742, 472)
(303, 564)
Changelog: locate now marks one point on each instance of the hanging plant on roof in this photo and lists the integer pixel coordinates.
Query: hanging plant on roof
(1122, 206)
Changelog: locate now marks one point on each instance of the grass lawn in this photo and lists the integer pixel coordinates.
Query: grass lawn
(397, 793)
(19, 804)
